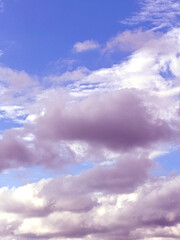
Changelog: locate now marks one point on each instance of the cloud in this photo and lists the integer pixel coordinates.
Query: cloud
(15, 113)
(53, 202)
(151, 211)
(124, 176)
(69, 76)
(64, 132)
(94, 115)
(19, 148)
(18, 79)
(131, 40)
(110, 124)
(160, 13)
(17, 87)
(85, 46)
(61, 64)
(13, 152)
(158, 57)
(118, 109)
(118, 120)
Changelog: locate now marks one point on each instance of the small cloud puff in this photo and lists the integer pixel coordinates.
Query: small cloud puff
(85, 46)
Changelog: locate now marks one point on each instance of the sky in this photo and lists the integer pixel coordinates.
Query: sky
(89, 119)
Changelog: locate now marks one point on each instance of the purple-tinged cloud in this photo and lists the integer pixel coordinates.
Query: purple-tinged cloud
(55, 207)
(13, 152)
(118, 120)
(131, 40)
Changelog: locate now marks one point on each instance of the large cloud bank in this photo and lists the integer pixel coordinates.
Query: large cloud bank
(113, 120)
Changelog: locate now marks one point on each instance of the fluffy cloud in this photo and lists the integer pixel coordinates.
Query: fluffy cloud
(55, 209)
(13, 152)
(68, 134)
(123, 176)
(117, 121)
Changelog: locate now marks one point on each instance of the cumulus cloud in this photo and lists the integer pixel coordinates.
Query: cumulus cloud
(85, 46)
(12, 151)
(151, 211)
(66, 133)
(116, 121)
(124, 176)
(19, 148)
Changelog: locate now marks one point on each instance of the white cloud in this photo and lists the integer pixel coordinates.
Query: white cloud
(153, 66)
(85, 46)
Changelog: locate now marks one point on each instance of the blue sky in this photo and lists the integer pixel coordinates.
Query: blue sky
(36, 33)
(89, 119)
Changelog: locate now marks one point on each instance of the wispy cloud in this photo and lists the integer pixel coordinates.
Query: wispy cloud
(130, 40)
(85, 46)
(161, 13)
(69, 76)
